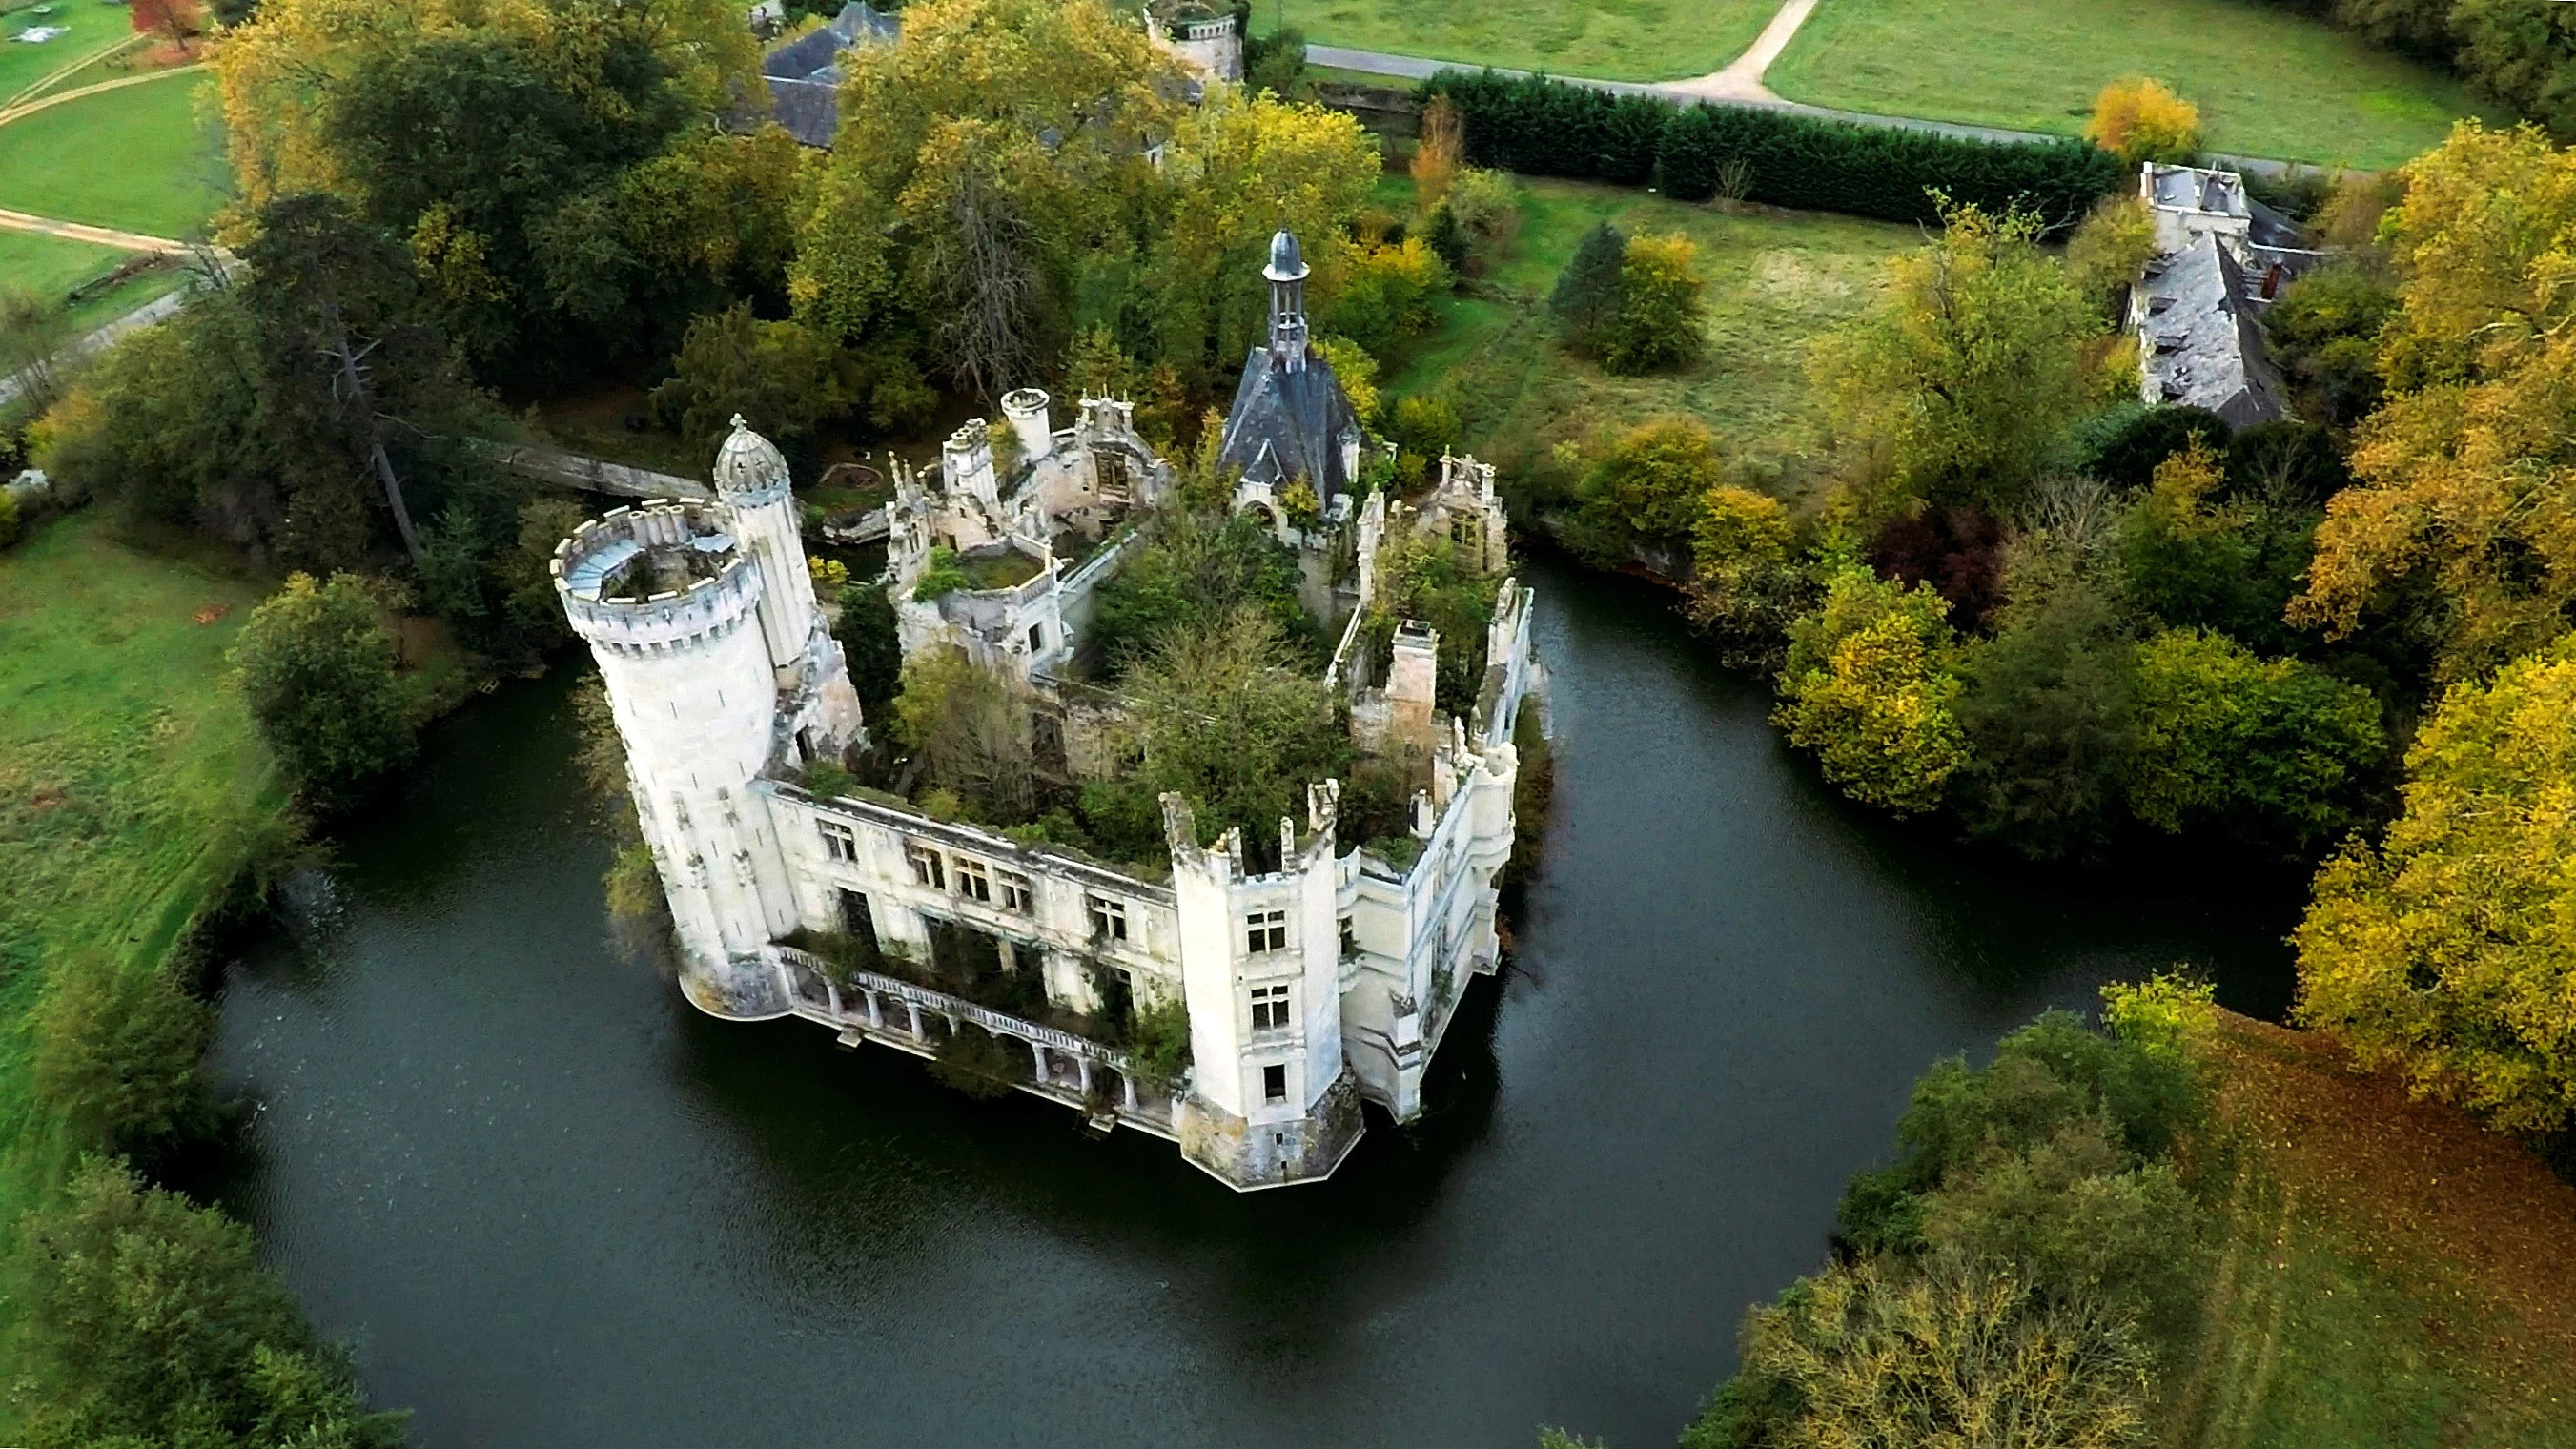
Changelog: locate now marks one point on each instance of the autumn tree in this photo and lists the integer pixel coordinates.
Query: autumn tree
(1661, 322)
(2465, 479)
(2109, 248)
(1745, 583)
(1647, 485)
(2143, 120)
(1969, 365)
(2272, 749)
(1870, 689)
(2447, 950)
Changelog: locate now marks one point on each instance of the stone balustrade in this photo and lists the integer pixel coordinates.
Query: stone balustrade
(862, 1013)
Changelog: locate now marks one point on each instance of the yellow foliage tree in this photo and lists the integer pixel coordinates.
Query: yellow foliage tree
(2466, 477)
(1869, 688)
(2448, 951)
(2143, 120)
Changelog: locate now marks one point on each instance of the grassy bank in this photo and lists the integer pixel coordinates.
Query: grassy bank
(2268, 83)
(1641, 40)
(143, 159)
(131, 779)
(1776, 281)
(90, 30)
(2391, 1274)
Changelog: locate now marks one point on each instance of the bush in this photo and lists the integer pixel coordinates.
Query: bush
(2127, 458)
(1648, 484)
(1485, 208)
(1425, 425)
(2108, 251)
(1661, 322)
(1193, 571)
(1744, 581)
(9, 525)
(2273, 749)
(974, 1061)
(2048, 714)
(1543, 127)
(1385, 294)
(870, 647)
(2142, 120)
(2324, 330)
(149, 1321)
(117, 1052)
(318, 671)
(1869, 689)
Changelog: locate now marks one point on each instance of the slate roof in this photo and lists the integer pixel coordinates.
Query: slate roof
(2201, 338)
(1289, 422)
(805, 75)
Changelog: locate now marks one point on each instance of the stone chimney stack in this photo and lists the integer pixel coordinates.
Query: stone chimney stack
(966, 465)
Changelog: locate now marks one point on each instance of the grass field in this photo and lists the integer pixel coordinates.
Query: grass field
(1776, 280)
(2391, 1274)
(90, 27)
(128, 773)
(140, 159)
(49, 266)
(1626, 40)
(2268, 83)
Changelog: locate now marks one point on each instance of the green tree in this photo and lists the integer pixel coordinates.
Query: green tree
(965, 728)
(116, 1052)
(1385, 292)
(1868, 1353)
(150, 1321)
(1589, 296)
(1229, 717)
(2324, 332)
(1745, 583)
(2448, 949)
(1193, 572)
(318, 671)
(1870, 689)
(2048, 711)
(869, 644)
(1969, 365)
(2269, 748)
(1648, 483)
(1661, 323)
(2109, 248)
(780, 377)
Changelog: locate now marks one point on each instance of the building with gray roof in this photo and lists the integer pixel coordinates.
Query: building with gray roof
(1291, 419)
(804, 75)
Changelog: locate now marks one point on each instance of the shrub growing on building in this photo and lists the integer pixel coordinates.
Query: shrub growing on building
(870, 646)
(983, 1066)
(318, 671)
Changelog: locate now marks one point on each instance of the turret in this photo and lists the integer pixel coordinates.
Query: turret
(1287, 274)
(751, 478)
(1026, 408)
(966, 466)
(671, 604)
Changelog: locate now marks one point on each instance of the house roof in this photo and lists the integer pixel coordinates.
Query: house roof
(1289, 422)
(2201, 339)
(805, 74)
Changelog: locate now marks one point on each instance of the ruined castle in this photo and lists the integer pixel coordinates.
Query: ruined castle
(1312, 979)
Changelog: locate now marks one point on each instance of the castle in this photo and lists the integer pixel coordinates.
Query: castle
(1311, 981)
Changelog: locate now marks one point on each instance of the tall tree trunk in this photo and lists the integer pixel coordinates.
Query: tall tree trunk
(354, 379)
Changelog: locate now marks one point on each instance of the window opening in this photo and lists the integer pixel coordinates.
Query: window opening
(1274, 1088)
(1270, 1008)
(839, 841)
(1108, 917)
(926, 867)
(973, 882)
(1017, 894)
(1265, 931)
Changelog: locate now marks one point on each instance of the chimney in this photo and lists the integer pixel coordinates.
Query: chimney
(966, 463)
(1411, 679)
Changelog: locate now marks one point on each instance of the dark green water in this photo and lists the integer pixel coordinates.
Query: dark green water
(553, 1206)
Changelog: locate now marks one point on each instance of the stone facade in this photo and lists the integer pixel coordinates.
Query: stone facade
(1308, 988)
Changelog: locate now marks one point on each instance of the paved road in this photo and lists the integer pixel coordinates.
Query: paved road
(1414, 67)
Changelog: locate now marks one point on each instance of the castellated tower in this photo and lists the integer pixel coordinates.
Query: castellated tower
(1271, 1097)
(751, 478)
(673, 605)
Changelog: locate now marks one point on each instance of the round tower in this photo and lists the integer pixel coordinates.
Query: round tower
(751, 478)
(671, 605)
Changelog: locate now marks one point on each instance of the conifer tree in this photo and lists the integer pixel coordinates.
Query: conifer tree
(1588, 292)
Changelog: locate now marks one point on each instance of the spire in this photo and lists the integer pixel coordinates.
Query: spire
(1287, 274)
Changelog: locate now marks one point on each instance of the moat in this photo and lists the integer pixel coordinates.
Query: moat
(552, 1205)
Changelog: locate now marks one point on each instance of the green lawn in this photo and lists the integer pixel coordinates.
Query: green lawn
(90, 26)
(49, 267)
(1775, 281)
(128, 770)
(140, 159)
(1610, 39)
(2268, 83)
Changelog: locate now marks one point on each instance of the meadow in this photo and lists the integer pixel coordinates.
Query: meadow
(90, 29)
(1776, 280)
(2268, 83)
(1631, 40)
(146, 158)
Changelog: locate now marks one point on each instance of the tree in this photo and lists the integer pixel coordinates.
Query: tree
(2109, 249)
(2143, 120)
(2194, 557)
(866, 632)
(1439, 153)
(1648, 483)
(1195, 571)
(117, 1052)
(2273, 748)
(1356, 371)
(1869, 689)
(33, 335)
(1588, 295)
(1745, 583)
(2127, 455)
(318, 671)
(2324, 332)
(2448, 950)
(1869, 1353)
(1229, 718)
(965, 728)
(2047, 712)
(1385, 294)
(175, 21)
(1485, 207)
(1661, 321)
(150, 1321)
(2462, 476)
(779, 376)
(1969, 365)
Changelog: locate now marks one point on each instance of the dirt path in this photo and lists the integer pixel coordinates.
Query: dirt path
(1742, 78)
(83, 232)
(21, 110)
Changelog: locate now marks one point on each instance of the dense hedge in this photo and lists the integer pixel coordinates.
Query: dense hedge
(1545, 127)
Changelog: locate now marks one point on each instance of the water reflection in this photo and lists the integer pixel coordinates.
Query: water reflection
(554, 1206)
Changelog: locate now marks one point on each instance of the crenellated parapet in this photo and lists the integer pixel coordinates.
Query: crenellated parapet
(656, 577)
